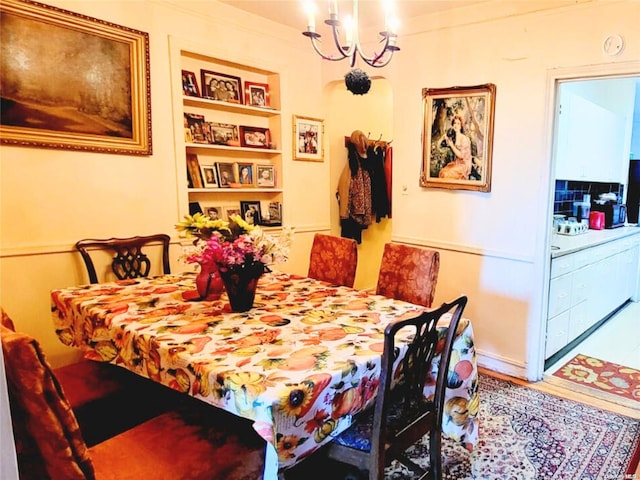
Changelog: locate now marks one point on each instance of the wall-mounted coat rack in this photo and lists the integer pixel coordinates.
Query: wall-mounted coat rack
(373, 143)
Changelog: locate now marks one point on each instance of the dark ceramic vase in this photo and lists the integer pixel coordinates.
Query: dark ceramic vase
(240, 282)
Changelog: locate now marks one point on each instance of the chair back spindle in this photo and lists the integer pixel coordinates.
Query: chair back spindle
(402, 415)
(129, 261)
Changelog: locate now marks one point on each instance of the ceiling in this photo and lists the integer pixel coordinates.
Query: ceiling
(290, 12)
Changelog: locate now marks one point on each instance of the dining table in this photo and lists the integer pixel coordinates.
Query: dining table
(300, 364)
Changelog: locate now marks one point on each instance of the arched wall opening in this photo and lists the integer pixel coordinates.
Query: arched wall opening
(373, 114)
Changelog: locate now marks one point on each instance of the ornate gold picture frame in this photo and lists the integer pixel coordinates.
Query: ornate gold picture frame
(73, 82)
(457, 140)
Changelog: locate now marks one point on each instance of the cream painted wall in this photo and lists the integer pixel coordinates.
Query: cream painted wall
(494, 246)
(51, 198)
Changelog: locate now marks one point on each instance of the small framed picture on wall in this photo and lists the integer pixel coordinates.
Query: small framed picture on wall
(308, 138)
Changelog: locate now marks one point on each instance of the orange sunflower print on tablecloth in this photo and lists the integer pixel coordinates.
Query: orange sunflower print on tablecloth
(299, 364)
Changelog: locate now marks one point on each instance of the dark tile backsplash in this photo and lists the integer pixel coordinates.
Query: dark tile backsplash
(569, 191)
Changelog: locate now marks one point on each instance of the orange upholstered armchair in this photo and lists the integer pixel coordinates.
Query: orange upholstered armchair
(187, 442)
(105, 399)
(408, 273)
(333, 259)
(85, 381)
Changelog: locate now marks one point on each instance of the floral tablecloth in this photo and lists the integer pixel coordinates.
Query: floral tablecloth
(299, 364)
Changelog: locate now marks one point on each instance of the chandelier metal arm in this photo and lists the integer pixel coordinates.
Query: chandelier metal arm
(314, 41)
(354, 48)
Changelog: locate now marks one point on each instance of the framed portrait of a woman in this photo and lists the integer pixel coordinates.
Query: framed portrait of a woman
(457, 139)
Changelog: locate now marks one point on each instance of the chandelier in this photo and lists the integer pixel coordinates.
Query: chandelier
(350, 47)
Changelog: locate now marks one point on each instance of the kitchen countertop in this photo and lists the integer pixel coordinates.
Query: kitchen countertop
(565, 244)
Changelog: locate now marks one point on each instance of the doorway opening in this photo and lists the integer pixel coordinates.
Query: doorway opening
(596, 139)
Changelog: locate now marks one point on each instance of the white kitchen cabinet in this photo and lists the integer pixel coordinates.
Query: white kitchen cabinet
(579, 321)
(560, 294)
(592, 141)
(557, 333)
(628, 269)
(588, 285)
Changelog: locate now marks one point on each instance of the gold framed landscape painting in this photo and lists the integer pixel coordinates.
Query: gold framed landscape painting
(457, 140)
(73, 82)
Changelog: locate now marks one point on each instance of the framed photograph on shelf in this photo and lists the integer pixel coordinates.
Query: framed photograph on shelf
(256, 94)
(209, 176)
(225, 173)
(228, 211)
(308, 139)
(273, 216)
(194, 207)
(266, 175)
(222, 87)
(55, 67)
(193, 168)
(245, 174)
(457, 139)
(250, 212)
(207, 132)
(254, 137)
(195, 123)
(214, 213)
(225, 134)
(190, 84)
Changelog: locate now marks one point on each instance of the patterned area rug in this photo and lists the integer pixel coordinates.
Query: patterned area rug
(525, 434)
(602, 375)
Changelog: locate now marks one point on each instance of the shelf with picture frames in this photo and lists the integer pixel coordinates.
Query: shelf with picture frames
(195, 68)
(226, 148)
(231, 107)
(239, 190)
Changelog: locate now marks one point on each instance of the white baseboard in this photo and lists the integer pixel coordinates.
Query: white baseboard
(503, 365)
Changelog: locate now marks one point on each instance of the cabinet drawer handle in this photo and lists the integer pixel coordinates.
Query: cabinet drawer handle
(563, 295)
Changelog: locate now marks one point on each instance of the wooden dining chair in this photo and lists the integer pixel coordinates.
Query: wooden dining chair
(105, 399)
(408, 273)
(402, 415)
(188, 442)
(333, 259)
(129, 261)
